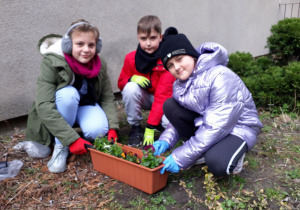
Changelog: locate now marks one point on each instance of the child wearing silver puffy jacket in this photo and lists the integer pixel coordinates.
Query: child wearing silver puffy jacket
(211, 109)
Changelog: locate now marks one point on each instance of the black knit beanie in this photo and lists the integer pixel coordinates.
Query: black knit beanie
(174, 44)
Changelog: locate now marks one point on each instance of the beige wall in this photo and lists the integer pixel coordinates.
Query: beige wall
(239, 25)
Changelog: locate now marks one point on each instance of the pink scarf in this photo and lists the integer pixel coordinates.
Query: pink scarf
(90, 70)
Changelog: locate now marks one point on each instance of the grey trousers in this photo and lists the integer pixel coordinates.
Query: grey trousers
(135, 99)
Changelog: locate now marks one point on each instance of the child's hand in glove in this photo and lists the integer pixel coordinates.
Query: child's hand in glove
(170, 165)
(160, 146)
(148, 136)
(79, 146)
(112, 135)
(141, 81)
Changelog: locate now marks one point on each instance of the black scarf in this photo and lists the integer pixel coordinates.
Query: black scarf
(90, 97)
(145, 62)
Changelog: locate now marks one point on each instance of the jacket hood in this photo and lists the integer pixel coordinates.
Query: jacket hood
(50, 44)
(211, 54)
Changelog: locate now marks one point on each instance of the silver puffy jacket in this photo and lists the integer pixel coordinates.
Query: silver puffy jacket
(223, 101)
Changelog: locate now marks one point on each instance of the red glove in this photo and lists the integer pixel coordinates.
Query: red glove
(78, 147)
(112, 135)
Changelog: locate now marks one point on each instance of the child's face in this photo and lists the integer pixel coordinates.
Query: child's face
(149, 43)
(83, 46)
(181, 66)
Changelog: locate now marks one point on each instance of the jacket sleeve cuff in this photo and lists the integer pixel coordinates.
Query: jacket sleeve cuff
(156, 127)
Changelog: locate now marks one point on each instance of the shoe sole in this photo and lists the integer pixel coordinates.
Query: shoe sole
(134, 145)
(57, 171)
(241, 167)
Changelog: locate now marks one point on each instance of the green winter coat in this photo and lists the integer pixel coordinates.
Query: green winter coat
(44, 121)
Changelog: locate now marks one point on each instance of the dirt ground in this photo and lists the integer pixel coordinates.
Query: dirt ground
(270, 178)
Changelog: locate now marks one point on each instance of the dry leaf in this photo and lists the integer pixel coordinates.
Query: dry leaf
(103, 203)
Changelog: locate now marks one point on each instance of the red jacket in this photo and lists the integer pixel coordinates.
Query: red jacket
(161, 82)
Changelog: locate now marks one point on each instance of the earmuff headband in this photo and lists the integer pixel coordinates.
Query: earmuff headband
(66, 43)
(73, 26)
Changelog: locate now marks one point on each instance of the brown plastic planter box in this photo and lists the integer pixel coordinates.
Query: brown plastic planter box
(140, 177)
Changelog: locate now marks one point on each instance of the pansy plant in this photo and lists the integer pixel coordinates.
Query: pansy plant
(131, 157)
(104, 145)
(148, 160)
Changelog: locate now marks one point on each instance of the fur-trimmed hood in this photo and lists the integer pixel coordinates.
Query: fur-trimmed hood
(50, 44)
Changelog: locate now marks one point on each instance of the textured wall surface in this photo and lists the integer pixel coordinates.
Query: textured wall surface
(237, 25)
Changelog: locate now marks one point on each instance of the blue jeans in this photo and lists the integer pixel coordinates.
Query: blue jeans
(91, 119)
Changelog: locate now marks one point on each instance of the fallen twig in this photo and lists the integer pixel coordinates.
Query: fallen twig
(42, 202)
(17, 194)
(262, 179)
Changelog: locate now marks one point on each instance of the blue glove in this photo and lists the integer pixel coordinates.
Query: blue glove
(160, 146)
(170, 165)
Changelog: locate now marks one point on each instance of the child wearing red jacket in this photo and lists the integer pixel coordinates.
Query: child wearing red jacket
(145, 83)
